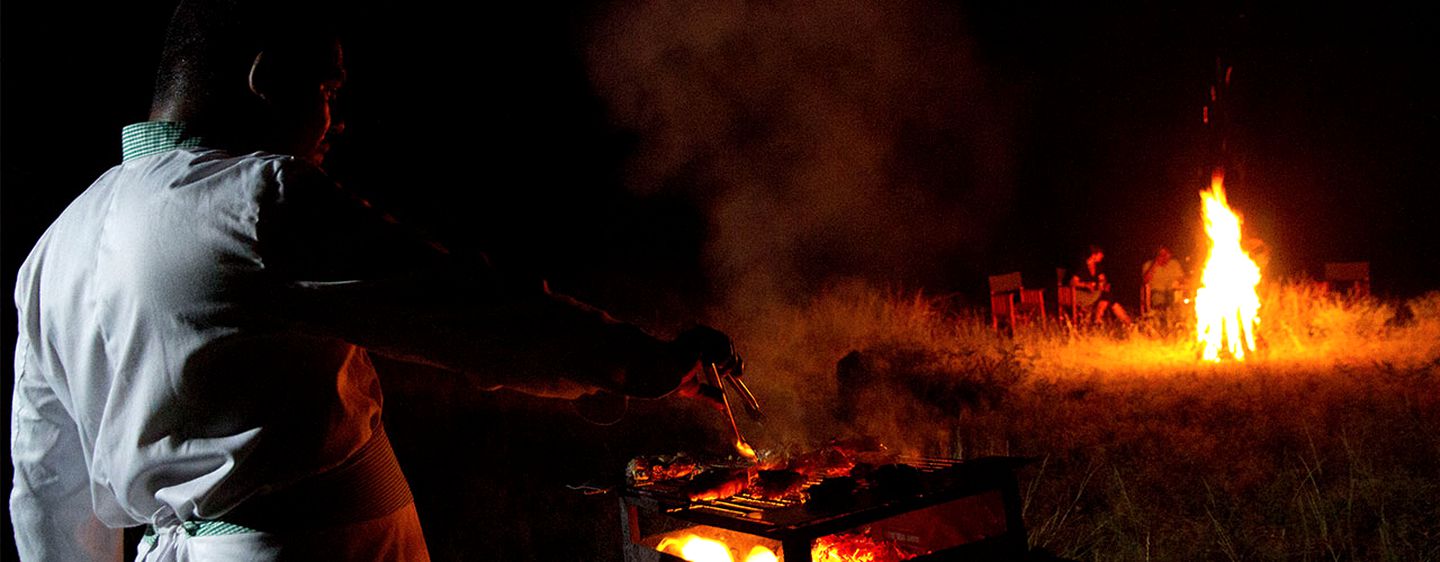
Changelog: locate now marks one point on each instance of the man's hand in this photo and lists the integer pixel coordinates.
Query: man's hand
(709, 346)
(714, 357)
(684, 365)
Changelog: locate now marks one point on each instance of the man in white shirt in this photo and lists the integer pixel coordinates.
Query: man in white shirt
(1163, 279)
(194, 328)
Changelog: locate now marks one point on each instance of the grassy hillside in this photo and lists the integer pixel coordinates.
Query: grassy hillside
(1324, 446)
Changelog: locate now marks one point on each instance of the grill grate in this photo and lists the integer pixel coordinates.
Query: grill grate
(961, 510)
(752, 508)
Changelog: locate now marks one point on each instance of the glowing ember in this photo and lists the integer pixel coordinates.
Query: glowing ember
(761, 554)
(699, 549)
(696, 549)
(1226, 305)
(855, 548)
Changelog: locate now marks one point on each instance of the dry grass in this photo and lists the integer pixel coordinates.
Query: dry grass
(1326, 446)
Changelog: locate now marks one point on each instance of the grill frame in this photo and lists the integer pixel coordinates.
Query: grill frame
(795, 527)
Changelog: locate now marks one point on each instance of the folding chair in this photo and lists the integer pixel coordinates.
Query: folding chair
(1065, 297)
(1004, 292)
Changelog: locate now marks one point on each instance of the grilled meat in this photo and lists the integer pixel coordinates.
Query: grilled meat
(654, 469)
(777, 484)
(897, 480)
(718, 483)
(825, 461)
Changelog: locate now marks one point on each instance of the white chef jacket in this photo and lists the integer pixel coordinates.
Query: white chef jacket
(188, 341)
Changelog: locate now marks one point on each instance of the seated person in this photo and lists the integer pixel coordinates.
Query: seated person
(1164, 278)
(1092, 290)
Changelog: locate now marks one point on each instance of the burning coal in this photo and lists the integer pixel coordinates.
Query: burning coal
(694, 548)
(855, 547)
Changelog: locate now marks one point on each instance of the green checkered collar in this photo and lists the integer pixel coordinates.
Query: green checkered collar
(154, 137)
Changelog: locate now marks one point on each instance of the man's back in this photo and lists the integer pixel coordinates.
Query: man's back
(149, 311)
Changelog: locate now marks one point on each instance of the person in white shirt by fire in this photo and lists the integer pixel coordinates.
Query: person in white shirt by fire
(195, 327)
(1164, 278)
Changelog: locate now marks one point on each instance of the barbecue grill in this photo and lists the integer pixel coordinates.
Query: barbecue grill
(952, 510)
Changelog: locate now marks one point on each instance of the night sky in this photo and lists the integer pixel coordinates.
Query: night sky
(974, 138)
(666, 162)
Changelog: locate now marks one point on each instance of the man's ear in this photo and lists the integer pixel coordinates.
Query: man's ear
(261, 77)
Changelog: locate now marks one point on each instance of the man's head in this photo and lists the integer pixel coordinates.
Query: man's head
(1162, 255)
(251, 75)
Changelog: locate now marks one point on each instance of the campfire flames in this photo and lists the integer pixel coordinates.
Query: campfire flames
(700, 549)
(1226, 304)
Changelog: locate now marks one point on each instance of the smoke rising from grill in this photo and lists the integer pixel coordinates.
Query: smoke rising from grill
(834, 139)
(834, 144)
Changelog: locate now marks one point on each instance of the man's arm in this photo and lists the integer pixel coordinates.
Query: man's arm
(527, 339)
(1147, 273)
(1077, 283)
(342, 269)
(50, 503)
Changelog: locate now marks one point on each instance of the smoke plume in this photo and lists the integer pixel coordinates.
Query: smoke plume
(844, 139)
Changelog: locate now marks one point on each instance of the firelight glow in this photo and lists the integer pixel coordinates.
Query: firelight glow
(695, 548)
(854, 547)
(1227, 308)
(745, 449)
(761, 554)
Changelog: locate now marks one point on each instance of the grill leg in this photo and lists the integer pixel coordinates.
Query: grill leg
(630, 530)
(796, 550)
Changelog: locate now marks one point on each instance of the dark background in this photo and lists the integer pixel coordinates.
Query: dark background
(488, 130)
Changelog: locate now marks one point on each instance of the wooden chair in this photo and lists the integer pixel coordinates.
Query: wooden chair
(1351, 277)
(1064, 297)
(1005, 290)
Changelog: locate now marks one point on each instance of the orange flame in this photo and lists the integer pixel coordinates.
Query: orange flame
(695, 548)
(1226, 304)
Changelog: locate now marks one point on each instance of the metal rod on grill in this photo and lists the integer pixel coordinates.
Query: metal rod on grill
(747, 399)
(744, 448)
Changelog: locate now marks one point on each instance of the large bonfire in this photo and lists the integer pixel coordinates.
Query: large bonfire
(1226, 305)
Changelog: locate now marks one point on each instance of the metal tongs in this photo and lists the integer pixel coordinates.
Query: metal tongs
(717, 392)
